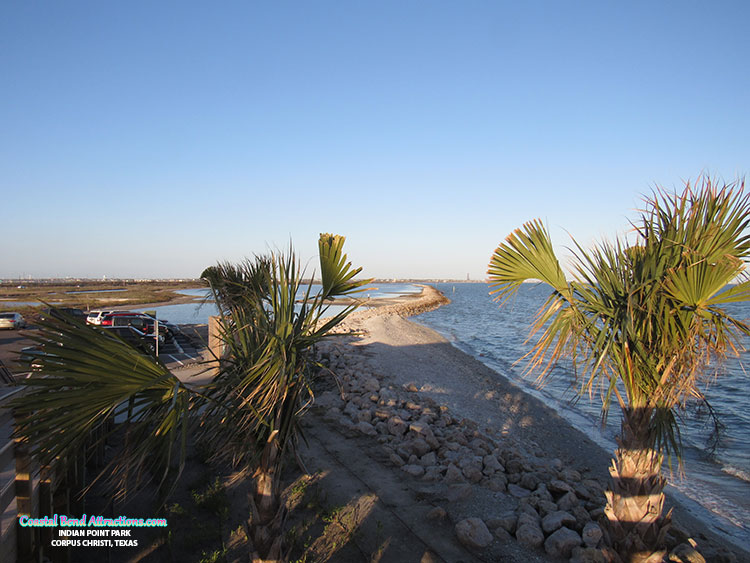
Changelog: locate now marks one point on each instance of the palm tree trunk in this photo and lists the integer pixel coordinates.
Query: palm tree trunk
(635, 526)
(267, 512)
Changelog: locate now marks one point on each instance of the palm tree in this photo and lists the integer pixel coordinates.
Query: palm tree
(644, 324)
(249, 412)
(265, 373)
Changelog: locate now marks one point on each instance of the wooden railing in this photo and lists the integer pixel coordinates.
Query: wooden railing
(25, 488)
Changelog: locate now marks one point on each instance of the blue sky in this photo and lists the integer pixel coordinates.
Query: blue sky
(151, 139)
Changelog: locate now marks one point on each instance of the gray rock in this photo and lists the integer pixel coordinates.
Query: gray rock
(547, 507)
(434, 473)
(418, 446)
(502, 534)
(396, 426)
(366, 428)
(508, 522)
(562, 542)
(453, 474)
(472, 474)
(396, 460)
(530, 535)
(370, 384)
(428, 459)
(591, 534)
(365, 415)
(529, 481)
(582, 516)
(558, 486)
(414, 470)
(518, 492)
(498, 483)
(473, 533)
(568, 501)
(491, 465)
(556, 520)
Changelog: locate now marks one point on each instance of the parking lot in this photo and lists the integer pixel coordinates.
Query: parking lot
(180, 351)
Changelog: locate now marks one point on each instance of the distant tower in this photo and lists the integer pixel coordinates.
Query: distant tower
(467, 277)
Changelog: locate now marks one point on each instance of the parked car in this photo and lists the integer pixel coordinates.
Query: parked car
(132, 336)
(95, 317)
(12, 321)
(144, 323)
(62, 312)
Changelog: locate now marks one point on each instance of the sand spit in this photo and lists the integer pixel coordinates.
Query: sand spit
(461, 464)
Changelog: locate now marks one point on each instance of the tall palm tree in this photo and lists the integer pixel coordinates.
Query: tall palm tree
(269, 324)
(643, 323)
(249, 412)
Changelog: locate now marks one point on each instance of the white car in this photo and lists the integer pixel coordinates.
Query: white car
(95, 317)
(12, 320)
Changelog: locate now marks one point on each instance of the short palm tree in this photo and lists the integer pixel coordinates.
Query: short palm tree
(644, 323)
(249, 412)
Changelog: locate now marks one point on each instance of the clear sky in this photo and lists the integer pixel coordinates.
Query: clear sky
(152, 139)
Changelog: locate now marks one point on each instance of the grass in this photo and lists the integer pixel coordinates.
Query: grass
(58, 293)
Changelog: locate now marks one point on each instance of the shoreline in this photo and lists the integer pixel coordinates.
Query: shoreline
(416, 357)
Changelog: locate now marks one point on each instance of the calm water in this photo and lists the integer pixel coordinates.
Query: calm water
(719, 481)
(198, 311)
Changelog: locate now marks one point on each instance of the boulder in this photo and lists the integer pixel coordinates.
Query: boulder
(530, 535)
(473, 533)
(518, 492)
(568, 501)
(414, 470)
(562, 542)
(397, 426)
(591, 534)
(556, 520)
(437, 513)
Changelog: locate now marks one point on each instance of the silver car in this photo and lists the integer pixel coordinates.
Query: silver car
(12, 320)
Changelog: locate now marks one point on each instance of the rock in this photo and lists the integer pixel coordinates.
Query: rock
(453, 474)
(568, 501)
(558, 486)
(414, 470)
(473, 533)
(437, 513)
(547, 507)
(685, 553)
(382, 428)
(418, 446)
(582, 516)
(366, 428)
(364, 415)
(396, 426)
(570, 475)
(473, 474)
(530, 535)
(562, 542)
(396, 460)
(502, 534)
(434, 473)
(498, 483)
(591, 534)
(527, 516)
(508, 522)
(411, 387)
(556, 520)
(518, 492)
(351, 410)
(370, 384)
(513, 466)
(529, 481)
(428, 459)
(491, 465)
